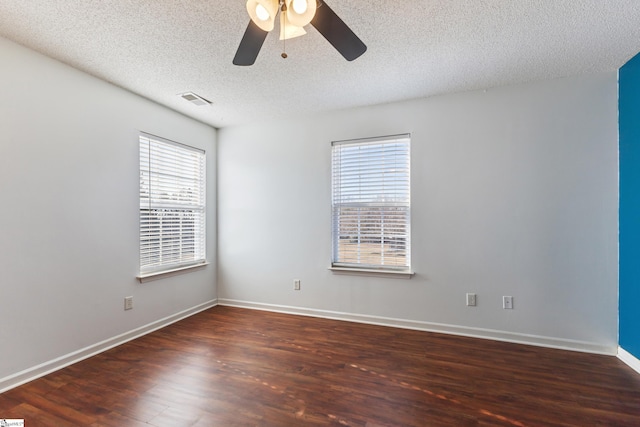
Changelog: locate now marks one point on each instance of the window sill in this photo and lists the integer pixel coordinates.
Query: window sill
(147, 277)
(371, 272)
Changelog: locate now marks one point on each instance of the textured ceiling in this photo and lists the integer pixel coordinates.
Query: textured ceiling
(416, 48)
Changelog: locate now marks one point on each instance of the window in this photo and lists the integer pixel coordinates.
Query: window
(172, 205)
(371, 203)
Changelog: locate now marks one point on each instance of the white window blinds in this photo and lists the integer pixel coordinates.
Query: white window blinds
(371, 203)
(172, 205)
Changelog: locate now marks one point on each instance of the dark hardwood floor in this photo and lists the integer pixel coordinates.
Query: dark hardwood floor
(234, 367)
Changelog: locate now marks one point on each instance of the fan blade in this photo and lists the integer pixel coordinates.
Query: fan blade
(337, 33)
(250, 45)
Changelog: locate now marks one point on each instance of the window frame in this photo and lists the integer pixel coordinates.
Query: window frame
(179, 200)
(398, 204)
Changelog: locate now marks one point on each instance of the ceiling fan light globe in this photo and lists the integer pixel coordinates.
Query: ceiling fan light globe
(299, 6)
(263, 13)
(301, 12)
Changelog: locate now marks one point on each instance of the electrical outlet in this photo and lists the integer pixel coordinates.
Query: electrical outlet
(507, 303)
(128, 303)
(471, 300)
(296, 285)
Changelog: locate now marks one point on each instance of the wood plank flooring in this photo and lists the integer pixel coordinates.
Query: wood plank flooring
(236, 367)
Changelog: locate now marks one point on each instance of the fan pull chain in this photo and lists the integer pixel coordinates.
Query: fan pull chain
(284, 25)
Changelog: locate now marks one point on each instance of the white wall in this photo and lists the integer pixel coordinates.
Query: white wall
(69, 214)
(514, 192)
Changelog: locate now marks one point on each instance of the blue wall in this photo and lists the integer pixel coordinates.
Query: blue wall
(629, 110)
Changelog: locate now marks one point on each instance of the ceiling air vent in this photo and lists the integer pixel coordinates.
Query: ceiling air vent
(195, 99)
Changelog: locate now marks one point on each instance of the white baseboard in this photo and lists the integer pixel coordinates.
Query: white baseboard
(540, 341)
(629, 359)
(43, 369)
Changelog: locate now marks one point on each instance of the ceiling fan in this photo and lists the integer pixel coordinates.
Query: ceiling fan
(294, 15)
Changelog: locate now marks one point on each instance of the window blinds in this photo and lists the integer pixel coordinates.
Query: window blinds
(172, 205)
(371, 203)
